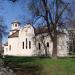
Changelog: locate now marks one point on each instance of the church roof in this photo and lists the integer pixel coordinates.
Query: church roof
(44, 29)
(41, 30)
(14, 30)
(16, 34)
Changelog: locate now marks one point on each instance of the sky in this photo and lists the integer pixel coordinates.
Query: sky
(13, 11)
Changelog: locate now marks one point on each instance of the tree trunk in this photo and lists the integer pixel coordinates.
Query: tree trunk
(54, 53)
(46, 53)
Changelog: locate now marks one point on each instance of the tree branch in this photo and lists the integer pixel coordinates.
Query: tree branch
(61, 13)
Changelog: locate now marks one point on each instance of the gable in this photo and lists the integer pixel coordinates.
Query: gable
(27, 30)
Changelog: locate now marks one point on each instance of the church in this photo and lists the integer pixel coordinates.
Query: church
(30, 41)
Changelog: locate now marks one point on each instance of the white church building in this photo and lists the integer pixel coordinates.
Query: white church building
(30, 41)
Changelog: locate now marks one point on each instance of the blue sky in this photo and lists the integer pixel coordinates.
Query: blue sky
(14, 11)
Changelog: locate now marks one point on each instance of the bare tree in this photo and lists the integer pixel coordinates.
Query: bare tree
(3, 33)
(53, 12)
(3, 27)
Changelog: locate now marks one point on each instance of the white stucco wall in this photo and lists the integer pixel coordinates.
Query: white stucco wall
(62, 45)
(43, 43)
(26, 33)
(14, 46)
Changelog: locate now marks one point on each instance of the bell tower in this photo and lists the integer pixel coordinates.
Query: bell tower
(15, 27)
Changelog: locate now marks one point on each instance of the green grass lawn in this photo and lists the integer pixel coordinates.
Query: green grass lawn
(43, 66)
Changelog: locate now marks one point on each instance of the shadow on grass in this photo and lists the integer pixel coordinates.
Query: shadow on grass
(27, 69)
(23, 65)
(19, 59)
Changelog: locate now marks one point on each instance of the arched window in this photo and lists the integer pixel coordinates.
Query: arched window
(47, 44)
(23, 45)
(39, 45)
(26, 43)
(15, 25)
(29, 44)
(9, 47)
